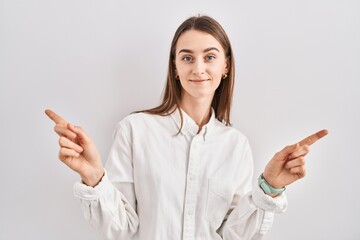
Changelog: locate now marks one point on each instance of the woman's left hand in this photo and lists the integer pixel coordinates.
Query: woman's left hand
(288, 165)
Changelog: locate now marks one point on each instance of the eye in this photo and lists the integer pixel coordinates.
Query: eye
(187, 59)
(210, 58)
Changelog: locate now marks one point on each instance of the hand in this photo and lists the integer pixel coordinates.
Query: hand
(288, 165)
(77, 150)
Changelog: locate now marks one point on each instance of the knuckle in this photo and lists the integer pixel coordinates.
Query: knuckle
(62, 151)
(87, 140)
(286, 147)
(56, 128)
(288, 166)
(61, 141)
(61, 154)
(307, 148)
(291, 147)
(277, 155)
(295, 146)
(303, 173)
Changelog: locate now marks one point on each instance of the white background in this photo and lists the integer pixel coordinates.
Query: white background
(297, 65)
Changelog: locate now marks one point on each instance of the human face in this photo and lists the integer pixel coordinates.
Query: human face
(200, 64)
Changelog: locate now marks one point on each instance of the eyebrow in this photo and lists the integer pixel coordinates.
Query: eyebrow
(206, 50)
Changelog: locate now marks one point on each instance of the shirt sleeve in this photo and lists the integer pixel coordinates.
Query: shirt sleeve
(110, 207)
(252, 211)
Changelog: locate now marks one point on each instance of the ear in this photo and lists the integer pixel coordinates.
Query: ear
(176, 74)
(174, 65)
(227, 66)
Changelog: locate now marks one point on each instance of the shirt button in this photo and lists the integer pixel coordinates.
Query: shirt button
(190, 212)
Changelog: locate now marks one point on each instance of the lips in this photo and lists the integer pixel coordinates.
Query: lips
(199, 80)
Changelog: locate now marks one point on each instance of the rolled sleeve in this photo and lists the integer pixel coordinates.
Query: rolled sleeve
(267, 203)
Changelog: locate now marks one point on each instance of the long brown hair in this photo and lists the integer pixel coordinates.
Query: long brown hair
(222, 99)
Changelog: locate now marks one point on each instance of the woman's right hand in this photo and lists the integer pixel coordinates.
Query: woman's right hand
(77, 150)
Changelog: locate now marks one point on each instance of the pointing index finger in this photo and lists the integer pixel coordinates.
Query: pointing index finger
(56, 118)
(313, 138)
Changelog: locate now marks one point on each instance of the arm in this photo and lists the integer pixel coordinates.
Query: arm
(252, 215)
(252, 212)
(108, 205)
(109, 209)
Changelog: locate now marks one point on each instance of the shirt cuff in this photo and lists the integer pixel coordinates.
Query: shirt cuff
(263, 201)
(85, 192)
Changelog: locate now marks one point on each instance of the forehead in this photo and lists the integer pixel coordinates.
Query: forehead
(197, 41)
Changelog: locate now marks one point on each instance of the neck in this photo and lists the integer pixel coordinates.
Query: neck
(198, 109)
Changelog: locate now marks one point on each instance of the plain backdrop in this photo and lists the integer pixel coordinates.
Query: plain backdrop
(94, 62)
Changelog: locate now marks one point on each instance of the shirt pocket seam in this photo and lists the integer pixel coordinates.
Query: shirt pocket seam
(218, 202)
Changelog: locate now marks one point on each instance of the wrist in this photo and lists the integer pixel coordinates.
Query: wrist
(271, 180)
(94, 178)
(268, 188)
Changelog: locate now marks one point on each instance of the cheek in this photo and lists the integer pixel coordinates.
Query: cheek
(217, 70)
(218, 67)
(178, 67)
(183, 70)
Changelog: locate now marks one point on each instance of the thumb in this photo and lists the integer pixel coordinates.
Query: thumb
(286, 151)
(83, 138)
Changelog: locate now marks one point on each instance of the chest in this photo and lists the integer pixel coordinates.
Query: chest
(167, 161)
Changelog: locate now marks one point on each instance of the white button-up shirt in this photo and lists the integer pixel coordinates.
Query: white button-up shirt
(163, 185)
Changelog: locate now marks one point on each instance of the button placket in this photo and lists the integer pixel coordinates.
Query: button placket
(191, 192)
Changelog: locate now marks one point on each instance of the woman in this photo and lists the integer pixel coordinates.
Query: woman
(180, 171)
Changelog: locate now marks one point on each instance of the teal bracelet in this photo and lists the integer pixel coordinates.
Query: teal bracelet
(267, 188)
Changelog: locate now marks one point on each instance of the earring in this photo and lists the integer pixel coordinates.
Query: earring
(224, 76)
(177, 77)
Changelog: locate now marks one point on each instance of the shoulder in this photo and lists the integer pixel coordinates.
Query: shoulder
(136, 119)
(230, 133)
(132, 121)
(141, 122)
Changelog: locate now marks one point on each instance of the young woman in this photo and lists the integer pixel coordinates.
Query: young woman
(180, 171)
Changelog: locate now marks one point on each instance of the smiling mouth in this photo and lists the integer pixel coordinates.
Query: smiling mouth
(199, 80)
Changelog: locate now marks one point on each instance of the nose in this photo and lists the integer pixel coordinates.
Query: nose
(199, 67)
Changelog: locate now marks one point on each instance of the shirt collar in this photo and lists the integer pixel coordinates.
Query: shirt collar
(189, 125)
